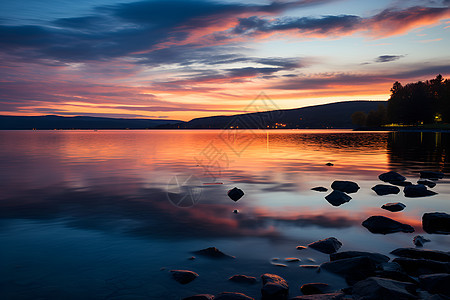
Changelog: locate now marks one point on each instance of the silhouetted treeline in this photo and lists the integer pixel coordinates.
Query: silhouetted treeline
(374, 118)
(420, 102)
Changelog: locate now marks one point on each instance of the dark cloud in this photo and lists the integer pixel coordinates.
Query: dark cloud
(388, 58)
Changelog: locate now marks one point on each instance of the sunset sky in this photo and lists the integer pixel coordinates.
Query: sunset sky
(183, 59)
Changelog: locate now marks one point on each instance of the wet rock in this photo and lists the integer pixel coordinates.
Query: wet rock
(417, 267)
(394, 207)
(391, 266)
(391, 176)
(345, 186)
(213, 252)
(385, 189)
(436, 283)
(232, 296)
(419, 240)
(279, 265)
(235, 211)
(328, 245)
(183, 276)
(191, 258)
(396, 275)
(337, 198)
(428, 183)
(384, 225)
(309, 266)
(301, 247)
(374, 288)
(235, 194)
(315, 288)
(292, 259)
(319, 189)
(329, 296)
(422, 253)
(431, 175)
(243, 279)
(437, 222)
(417, 190)
(329, 164)
(352, 269)
(375, 257)
(401, 183)
(274, 287)
(200, 297)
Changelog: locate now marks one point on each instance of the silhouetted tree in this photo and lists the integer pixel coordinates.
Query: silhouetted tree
(359, 118)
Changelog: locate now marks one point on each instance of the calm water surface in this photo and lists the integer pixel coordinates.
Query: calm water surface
(106, 214)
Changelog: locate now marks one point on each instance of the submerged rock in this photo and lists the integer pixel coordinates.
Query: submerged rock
(232, 296)
(396, 275)
(328, 245)
(417, 190)
(329, 164)
(419, 240)
(301, 247)
(352, 269)
(235, 194)
(384, 225)
(428, 183)
(200, 297)
(274, 287)
(328, 296)
(385, 189)
(394, 207)
(213, 252)
(375, 257)
(391, 176)
(315, 288)
(374, 288)
(417, 267)
(319, 189)
(337, 198)
(436, 222)
(183, 276)
(345, 186)
(235, 211)
(436, 283)
(243, 279)
(309, 266)
(292, 259)
(431, 175)
(422, 253)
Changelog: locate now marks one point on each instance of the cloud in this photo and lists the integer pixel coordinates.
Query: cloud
(388, 58)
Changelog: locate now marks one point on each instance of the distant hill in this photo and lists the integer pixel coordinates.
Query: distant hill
(332, 115)
(58, 122)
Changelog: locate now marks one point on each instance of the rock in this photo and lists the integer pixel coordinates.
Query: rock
(384, 225)
(309, 266)
(274, 287)
(417, 267)
(301, 247)
(235, 211)
(395, 275)
(428, 183)
(431, 175)
(329, 296)
(436, 222)
(385, 189)
(315, 288)
(328, 245)
(419, 241)
(191, 258)
(417, 190)
(213, 252)
(374, 288)
(337, 198)
(401, 183)
(375, 257)
(279, 265)
(232, 296)
(292, 259)
(394, 207)
(243, 279)
(436, 283)
(345, 186)
(183, 276)
(422, 253)
(319, 189)
(329, 164)
(352, 269)
(235, 194)
(200, 297)
(391, 176)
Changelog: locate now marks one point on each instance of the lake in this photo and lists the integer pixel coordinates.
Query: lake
(106, 214)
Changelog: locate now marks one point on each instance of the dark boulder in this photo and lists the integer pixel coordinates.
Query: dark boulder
(243, 279)
(401, 183)
(213, 252)
(329, 296)
(391, 176)
(315, 288)
(337, 198)
(352, 269)
(200, 297)
(419, 241)
(319, 189)
(431, 175)
(374, 288)
(437, 222)
(422, 253)
(436, 283)
(417, 190)
(375, 257)
(328, 245)
(235, 194)
(428, 183)
(232, 296)
(385, 189)
(329, 164)
(384, 225)
(345, 186)
(274, 287)
(183, 276)
(417, 267)
(394, 207)
(396, 275)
